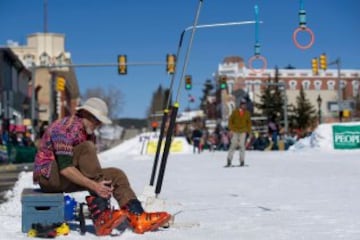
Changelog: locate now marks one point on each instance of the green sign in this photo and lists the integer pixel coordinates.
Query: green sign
(346, 136)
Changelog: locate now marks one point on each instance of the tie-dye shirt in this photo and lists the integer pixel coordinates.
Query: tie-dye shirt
(58, 141)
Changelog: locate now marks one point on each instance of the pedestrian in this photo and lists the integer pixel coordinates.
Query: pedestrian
(196, 139)
(273, 129)
(240, 127)
(67, 161)
(225, 140)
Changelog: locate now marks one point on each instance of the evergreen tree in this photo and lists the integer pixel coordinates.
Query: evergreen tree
(158, 103)
(272, 98)
(266, 105)
(207, 91)
(305, 111)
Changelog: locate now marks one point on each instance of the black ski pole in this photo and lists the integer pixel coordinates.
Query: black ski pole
(166, 113)
(174, 109)
(165, 155)
(158, 147)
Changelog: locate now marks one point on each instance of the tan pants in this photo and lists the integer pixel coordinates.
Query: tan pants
(238, 139)
(85, 159)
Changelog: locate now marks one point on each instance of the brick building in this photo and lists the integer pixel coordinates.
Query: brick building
(241, 80)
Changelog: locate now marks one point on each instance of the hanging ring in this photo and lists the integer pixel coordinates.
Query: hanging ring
(305, 29)
(257, 57)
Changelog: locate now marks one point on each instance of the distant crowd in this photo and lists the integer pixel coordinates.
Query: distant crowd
(219, 139)
(10, 144)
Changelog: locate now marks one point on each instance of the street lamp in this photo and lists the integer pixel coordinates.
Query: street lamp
(319, 100)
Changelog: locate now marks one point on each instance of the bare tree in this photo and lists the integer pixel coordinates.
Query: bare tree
(113, 98)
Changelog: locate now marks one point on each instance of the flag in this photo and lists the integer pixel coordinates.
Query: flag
(191, 98)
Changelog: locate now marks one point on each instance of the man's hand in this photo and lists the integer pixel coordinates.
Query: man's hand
(104, 188)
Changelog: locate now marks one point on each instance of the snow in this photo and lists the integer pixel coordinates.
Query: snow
(309, 192)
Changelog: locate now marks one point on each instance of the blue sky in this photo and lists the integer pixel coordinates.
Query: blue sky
(97, 31)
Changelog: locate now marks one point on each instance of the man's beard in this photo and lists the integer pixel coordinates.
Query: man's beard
(89, 131)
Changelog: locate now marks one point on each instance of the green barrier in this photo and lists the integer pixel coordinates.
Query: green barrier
(18, 154)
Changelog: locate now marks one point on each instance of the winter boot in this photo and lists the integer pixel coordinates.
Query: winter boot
(228, 163)
(142, 221)
(104, 218)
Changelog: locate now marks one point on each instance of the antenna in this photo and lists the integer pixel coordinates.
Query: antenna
(45, 17)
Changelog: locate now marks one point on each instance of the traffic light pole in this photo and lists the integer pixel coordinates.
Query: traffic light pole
(34, 115)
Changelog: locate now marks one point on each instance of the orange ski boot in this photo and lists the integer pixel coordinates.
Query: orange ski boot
(142, 221)
(104, 218)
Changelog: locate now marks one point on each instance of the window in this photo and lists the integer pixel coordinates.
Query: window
(257, 86)
(293, 84)
(317, 84)
(248, 85)
(306, 84)
(44, 59)
(29, 60)
(343, 84)
(355, 87)
(331, 84)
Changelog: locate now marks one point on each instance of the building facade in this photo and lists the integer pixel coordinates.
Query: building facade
(43, 55)
(332, 88)
(14, 95)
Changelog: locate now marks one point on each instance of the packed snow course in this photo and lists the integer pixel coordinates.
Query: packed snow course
(309, 192)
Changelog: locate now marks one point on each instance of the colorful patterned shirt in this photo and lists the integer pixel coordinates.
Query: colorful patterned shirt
(58, 143)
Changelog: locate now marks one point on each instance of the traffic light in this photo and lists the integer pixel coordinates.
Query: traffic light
(223, 82)
(170, 63)
(323, 61)
(122, 64)
(60, 84)
(188, 82)
(315, 66)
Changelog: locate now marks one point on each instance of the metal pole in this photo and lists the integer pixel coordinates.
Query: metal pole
(166, 110)
(319, 111)
(174, 111)
(33, 102)
(286, 122)
(187, 55)
(51, 97)
(158, 147)
(338, 63)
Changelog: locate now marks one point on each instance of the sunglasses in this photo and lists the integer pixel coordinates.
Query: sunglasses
(95, 120)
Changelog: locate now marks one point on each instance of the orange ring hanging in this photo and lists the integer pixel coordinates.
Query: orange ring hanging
(308, 30)
(257, 57)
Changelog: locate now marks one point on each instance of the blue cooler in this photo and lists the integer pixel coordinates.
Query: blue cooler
(39, 207)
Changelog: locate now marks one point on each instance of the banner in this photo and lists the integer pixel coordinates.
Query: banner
(175, 147)
(346, 136)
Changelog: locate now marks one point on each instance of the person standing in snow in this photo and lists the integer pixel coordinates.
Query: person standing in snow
(273, 129)
(240, 126)
(66, 161)
(196, 139)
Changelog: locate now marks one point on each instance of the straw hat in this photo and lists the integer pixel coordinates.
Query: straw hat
(97, 108)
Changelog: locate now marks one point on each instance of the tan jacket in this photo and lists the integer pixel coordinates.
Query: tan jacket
(240, 122)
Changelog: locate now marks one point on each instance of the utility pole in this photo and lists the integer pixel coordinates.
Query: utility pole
(339, 100)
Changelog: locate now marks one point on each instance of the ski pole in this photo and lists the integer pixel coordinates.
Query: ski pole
(166, 113)
(158, 147)
(174, 109)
